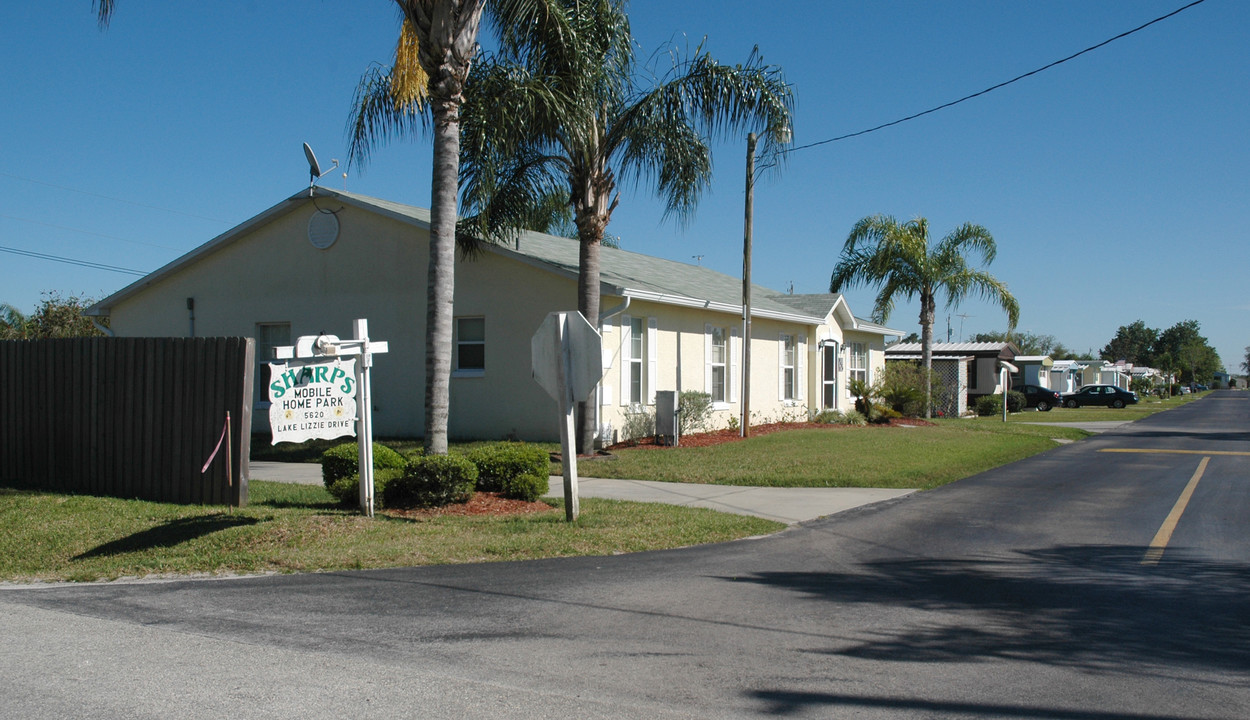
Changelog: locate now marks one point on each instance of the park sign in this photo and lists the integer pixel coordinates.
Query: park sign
(312, 399)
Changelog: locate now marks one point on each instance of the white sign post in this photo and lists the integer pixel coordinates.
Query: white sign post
(319, 386)
(567, 363)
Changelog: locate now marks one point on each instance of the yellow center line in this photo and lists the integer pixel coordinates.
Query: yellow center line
(1160, 542)
(1174, 452)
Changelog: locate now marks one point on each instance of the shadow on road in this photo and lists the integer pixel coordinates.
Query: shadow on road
(789, 702)
(1087, 607)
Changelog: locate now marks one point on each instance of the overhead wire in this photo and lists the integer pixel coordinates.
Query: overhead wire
(994, 87)
(72, 261)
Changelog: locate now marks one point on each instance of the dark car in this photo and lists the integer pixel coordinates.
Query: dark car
(1039, 397)
(1108, 395)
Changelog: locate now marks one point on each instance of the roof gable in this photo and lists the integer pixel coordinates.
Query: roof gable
(623, 272)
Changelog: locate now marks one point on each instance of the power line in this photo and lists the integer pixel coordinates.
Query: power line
(114, 199)
(86, 232)
(72, 261)
(999, 85)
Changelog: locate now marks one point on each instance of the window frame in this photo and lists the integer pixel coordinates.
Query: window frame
(458, 341)
(789, 367)
(858, 351)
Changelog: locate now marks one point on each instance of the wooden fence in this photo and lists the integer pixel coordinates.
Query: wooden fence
(127, 417)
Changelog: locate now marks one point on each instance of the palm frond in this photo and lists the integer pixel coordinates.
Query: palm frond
(104, 12)
(377, 117)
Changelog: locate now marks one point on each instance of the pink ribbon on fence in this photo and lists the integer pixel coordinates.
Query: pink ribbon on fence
(220, 440)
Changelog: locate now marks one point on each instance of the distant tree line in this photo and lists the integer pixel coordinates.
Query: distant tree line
(1180, 348)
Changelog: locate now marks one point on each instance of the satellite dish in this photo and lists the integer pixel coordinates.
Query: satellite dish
(314, 168)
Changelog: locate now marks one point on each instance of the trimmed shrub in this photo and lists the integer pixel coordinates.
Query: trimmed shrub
(694, 411)
(638, 425)
(347, 489)
(500, 462)
(340, 465)
(988, 405)
(526, 487)
(1015, 401)
(432, 481)
(880, 414)
(855, 417)
(829, 417)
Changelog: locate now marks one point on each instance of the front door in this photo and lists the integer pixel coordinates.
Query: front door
(829, 377)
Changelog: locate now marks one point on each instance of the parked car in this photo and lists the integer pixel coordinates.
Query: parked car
(1039, 397)
(1199, 387)
(1109, 395)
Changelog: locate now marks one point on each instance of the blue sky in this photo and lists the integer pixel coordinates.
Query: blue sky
(1114, 184)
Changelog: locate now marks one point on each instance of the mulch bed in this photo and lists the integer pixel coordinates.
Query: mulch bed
(717, 437)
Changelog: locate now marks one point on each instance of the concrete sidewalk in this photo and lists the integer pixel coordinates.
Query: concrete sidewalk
(787, 505)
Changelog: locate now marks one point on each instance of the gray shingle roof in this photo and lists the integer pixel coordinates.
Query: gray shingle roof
(624, 272)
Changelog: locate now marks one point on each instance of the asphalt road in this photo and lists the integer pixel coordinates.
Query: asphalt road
(1027, 592)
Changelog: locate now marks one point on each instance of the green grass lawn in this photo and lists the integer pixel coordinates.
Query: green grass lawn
(296, 528)
(873, 456)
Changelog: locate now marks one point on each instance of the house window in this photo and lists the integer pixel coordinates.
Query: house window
(637, 346)
(268, 337)
(973, 373)
(789, 370)
(859, 361)
(717, 362)
(470, 346)
(639, 361)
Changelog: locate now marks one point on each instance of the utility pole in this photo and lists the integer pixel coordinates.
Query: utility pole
(745, 425)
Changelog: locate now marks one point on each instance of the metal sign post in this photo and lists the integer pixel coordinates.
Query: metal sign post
(567, 361)
(314, 347)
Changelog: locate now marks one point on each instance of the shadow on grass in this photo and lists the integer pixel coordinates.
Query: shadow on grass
(295, 504)
(169, 534)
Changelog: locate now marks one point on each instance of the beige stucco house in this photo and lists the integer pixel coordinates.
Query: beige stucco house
(316, 261)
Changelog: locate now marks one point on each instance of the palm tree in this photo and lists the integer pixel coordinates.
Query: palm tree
(442, 36)
(14, 325)
(437, 43)
(897, 259)
(562, 111)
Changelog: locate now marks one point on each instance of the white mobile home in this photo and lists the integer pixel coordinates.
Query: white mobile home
(314, 262)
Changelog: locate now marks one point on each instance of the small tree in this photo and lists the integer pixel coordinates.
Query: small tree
(863, 394)
(902, 386)
(56, 316)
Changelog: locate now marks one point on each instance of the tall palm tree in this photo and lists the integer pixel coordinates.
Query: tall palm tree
(442, 35)
(562, 110)
(897, 259)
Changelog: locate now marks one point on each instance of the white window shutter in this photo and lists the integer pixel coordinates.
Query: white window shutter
(781, 367)
(735, 375)
(707, 358)
(606, 397)
(626, 320)
(653, 358)
(800, 370)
